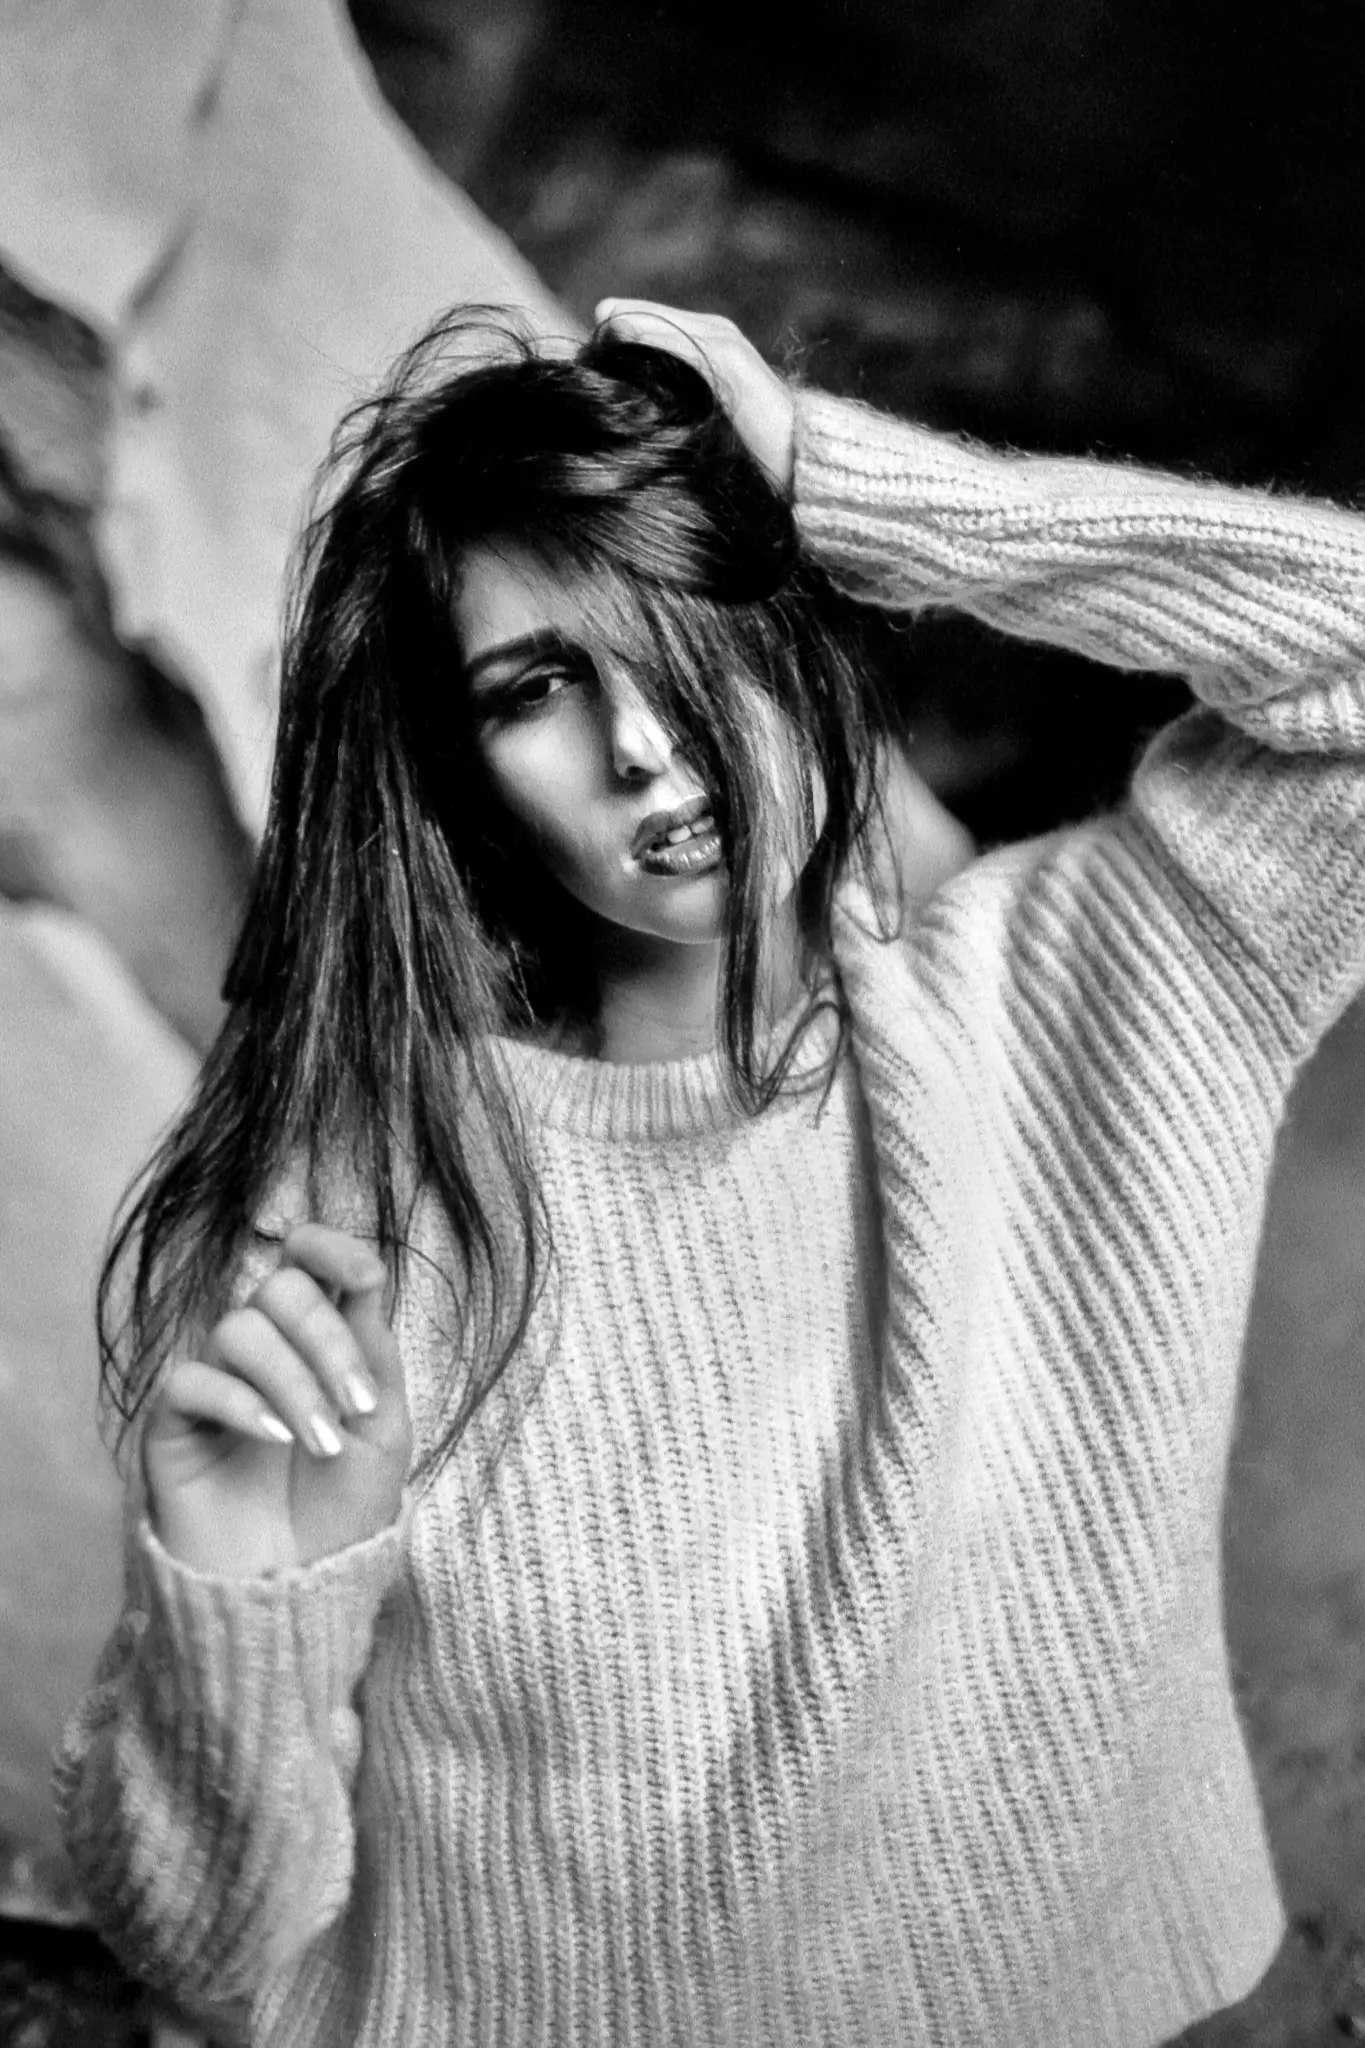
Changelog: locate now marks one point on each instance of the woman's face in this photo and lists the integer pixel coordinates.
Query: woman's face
(584, 766)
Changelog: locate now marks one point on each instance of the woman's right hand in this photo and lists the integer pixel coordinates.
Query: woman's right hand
(760, 403)
(289, 1439)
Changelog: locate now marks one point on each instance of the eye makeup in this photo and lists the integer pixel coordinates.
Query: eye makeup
(519, 677)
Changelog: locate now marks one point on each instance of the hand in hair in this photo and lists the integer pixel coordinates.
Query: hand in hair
(758, 401)
(289, 1439)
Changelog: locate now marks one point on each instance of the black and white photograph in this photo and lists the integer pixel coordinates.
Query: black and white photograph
(682, 1024)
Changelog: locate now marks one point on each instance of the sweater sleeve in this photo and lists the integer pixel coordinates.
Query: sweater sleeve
(1254, 803)
(205, 1781)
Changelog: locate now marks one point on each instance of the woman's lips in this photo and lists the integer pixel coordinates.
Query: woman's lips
(683, 840)
(659, 824)
(696, 849)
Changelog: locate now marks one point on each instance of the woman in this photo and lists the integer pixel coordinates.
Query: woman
(792, 1613)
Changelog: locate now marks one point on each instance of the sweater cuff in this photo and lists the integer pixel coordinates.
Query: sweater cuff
(231, 1641)
(847, 452)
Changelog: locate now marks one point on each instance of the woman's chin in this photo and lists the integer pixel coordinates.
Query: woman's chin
(683, 910)
(698, 922)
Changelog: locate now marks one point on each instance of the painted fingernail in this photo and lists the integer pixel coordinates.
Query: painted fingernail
(325, 1438)
(362, 1395)
(271, 1426)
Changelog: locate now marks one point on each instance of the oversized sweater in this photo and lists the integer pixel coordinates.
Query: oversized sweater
(833, 1654)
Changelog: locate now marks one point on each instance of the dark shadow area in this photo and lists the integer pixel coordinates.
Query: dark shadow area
(1091, 225)
(61, 1988)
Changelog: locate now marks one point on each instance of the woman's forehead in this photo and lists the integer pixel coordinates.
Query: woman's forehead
(505, 593)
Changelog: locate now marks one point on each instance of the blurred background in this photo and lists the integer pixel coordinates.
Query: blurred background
(1122, 226)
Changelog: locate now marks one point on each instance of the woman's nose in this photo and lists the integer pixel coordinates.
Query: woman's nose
(640, 745)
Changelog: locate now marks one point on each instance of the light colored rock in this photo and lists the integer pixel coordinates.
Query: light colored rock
(100, 104)
(91, 1076)
(112, 803)
(222, 194)
(215, 189)
(322, 241)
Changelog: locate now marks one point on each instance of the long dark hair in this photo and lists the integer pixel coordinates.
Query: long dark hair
(390, 936)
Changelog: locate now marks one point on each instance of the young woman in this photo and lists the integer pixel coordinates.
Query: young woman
(704, 1526)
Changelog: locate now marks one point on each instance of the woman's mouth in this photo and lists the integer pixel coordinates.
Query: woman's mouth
(683, 841)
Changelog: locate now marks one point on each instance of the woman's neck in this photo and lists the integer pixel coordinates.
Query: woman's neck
(658, 1001)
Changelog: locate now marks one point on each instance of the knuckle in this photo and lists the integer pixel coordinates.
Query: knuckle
(238, 1328)
(174, 1382)
(329, 1341)
(306, 1232)
(288, 1292)
(282, 1281)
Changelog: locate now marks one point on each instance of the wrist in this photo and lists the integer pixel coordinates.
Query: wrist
(235, 1553)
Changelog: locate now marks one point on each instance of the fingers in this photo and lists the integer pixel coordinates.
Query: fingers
(335, 1258)
(680, 319)
(248, 1344)
(193, 1393)
(293, 1305)
(684, 333)
(294, 1362)
(758, 401)
(357, 1276)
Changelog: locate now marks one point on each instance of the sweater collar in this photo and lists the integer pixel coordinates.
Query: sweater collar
(657, 1098)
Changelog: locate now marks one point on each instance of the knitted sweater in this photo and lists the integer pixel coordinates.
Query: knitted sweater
(834, 1653)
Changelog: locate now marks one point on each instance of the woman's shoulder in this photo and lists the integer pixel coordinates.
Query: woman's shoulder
(1065, 929)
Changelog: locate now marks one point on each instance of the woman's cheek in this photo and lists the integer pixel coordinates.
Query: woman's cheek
(540, 791)
(531, 775)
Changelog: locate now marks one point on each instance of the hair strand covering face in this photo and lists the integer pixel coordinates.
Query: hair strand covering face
(392, 933)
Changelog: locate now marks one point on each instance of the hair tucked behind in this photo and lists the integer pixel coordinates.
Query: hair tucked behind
(390, 936)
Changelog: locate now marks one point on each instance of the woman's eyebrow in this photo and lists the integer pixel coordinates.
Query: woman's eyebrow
(525, 646)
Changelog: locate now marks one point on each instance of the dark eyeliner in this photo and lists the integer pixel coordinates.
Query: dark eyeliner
(511, 699)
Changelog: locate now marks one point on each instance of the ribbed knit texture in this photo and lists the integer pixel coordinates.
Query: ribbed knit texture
(834, 1654)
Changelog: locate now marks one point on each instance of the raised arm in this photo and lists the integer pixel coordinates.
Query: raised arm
(1255, 806)
(1255, 802)
(1255, 599)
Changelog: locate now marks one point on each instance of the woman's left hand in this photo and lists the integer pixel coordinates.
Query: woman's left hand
(758, 401)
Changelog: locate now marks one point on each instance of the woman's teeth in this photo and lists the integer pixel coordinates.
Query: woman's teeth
(684, 849)
(692, 831)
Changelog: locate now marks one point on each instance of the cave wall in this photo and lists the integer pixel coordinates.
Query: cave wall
(214, 235)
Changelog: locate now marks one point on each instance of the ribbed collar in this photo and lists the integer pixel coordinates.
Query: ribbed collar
(658, 1098)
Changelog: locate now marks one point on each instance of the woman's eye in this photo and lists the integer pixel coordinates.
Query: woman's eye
(545, 683)
(528, 694)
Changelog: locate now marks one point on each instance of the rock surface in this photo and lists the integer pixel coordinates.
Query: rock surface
(213, 235)
(112, 802)
(91, 1076)
(100, 102)
(229, 204)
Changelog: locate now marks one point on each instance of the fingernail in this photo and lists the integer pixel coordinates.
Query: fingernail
(363, 1397)
(324, 1437)
(270, 1425)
